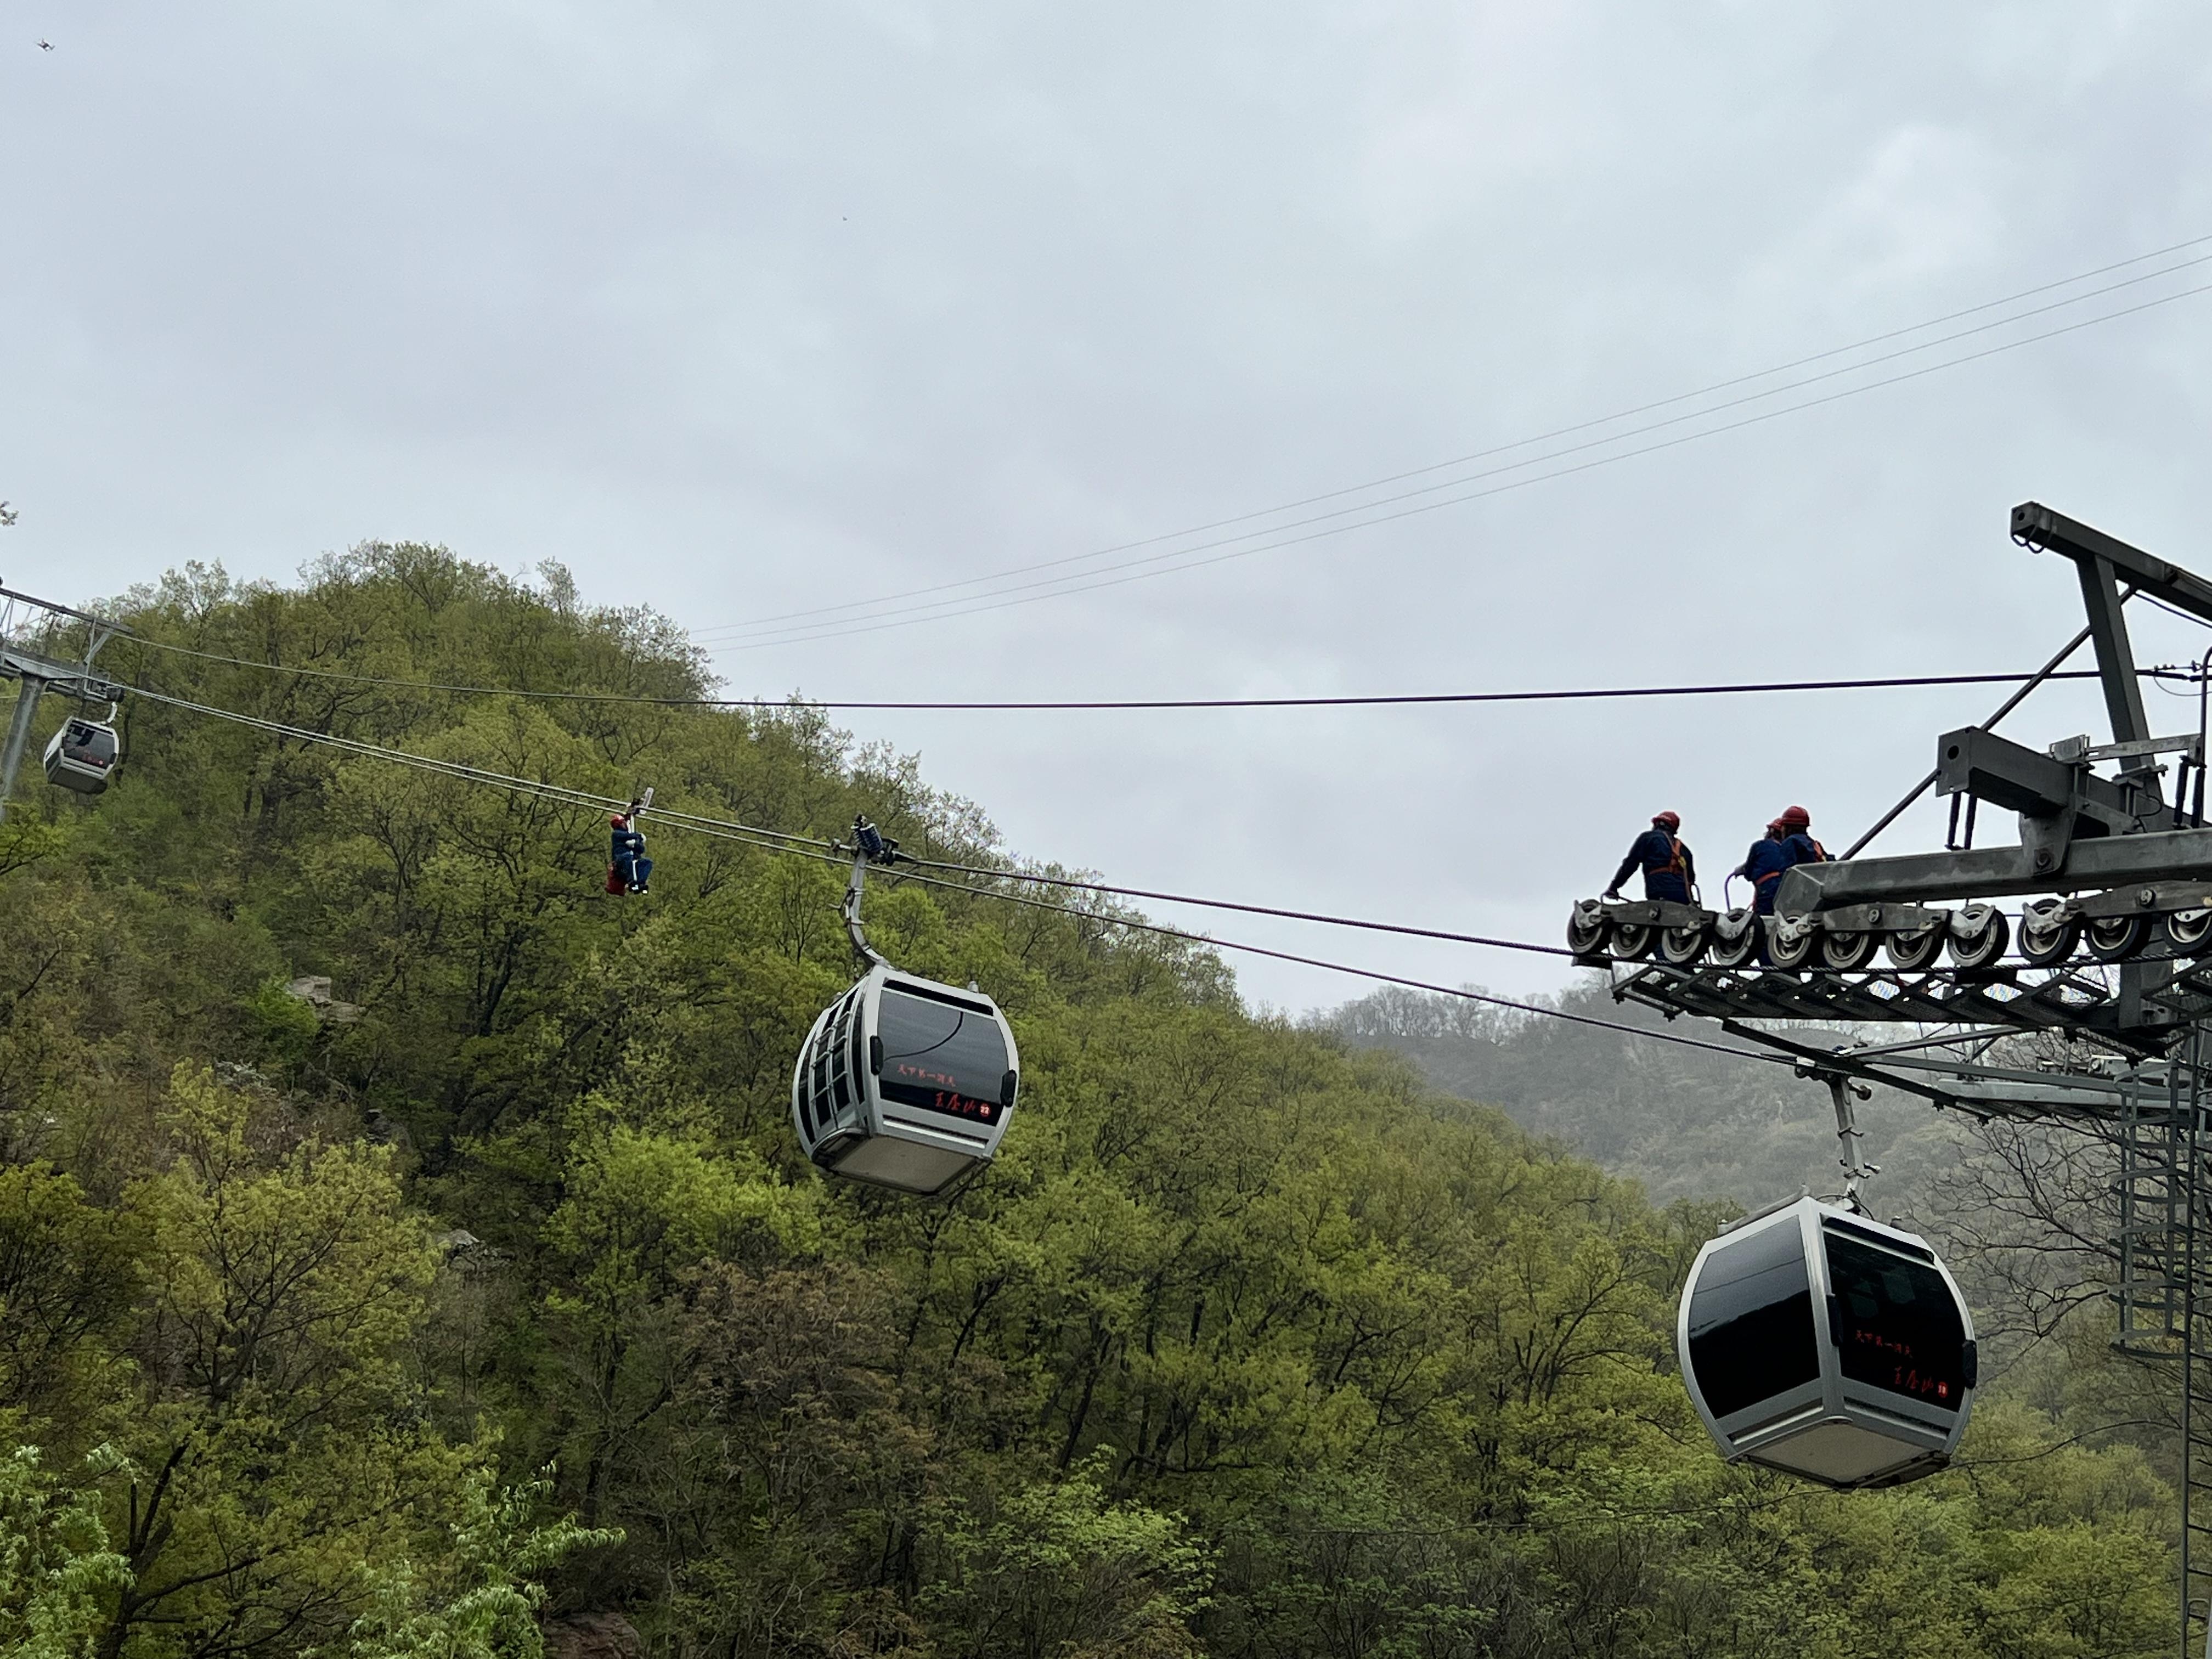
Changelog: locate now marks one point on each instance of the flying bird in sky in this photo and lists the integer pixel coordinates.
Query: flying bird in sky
(46, 46)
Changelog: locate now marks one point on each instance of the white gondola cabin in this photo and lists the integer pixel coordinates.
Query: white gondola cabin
(905, 1083)
(83, 755)
(1817, 1341)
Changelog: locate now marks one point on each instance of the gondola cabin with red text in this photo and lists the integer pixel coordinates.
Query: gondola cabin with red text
(905, 1083)
(1815, 1340)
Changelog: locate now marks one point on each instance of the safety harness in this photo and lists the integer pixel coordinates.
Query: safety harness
(1819, 856)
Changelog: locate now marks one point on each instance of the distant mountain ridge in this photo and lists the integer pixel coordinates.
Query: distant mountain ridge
(1686, 1122)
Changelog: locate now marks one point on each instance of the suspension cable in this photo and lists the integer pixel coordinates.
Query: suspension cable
(1128, 704)
(833, 618)
(1460, 991)
(1044, 880)
(763, 835)
(786, 842)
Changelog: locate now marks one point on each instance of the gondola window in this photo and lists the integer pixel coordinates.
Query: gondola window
(1896, 1323)
(938, 1057)
(1751, 1322)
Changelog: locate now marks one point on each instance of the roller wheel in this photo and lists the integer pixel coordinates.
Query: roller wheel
(1784, 951)
(2115, 938)
(1978, 936)
(1587, 929)
(1845, 951)
(1742, 947)
(1679, 947)
(2188, 931)
(1632, 941)
(1911, 952)
(2047, 934)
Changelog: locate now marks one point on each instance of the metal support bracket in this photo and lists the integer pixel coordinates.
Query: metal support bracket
(2073, 752)
(19, 735)
(2057, 795)
(1994, 871)
(73, 679)
(869, 846)
(1856, 1171)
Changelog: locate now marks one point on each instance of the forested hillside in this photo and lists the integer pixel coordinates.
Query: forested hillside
(487, 1293)
(1686, 1122)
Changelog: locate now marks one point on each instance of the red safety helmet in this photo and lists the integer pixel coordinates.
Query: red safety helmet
(1794, 818)
(1672, 820)
(618, 821)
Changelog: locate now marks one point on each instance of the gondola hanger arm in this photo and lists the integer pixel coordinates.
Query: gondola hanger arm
(869, 846)
(1856, 1171)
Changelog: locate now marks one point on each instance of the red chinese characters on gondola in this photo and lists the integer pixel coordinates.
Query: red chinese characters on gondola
(1815, 1340)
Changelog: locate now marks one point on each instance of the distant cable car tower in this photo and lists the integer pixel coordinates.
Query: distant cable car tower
(83, 753)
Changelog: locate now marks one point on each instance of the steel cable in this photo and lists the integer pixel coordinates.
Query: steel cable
(1501, 449)
(1109, 705)
(1080, 582)
(784, 842)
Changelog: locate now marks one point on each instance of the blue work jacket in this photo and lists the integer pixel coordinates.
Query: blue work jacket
(1668, 868)
(1763, 865)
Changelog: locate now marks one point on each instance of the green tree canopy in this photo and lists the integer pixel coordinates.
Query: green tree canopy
(490, 1287)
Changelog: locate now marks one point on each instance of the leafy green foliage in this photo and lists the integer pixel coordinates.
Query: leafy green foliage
(479, 1597)
(56, 1569)
(496, 1288)
(1059, 1568)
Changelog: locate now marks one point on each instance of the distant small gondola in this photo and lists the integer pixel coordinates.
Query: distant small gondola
(1819, 1341)
(902, 1082)
(83, 755)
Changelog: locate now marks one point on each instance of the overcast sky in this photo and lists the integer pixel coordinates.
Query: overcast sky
(745, 311)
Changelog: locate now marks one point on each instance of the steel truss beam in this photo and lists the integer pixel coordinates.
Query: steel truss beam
(2013, 1001)
(1994, 871)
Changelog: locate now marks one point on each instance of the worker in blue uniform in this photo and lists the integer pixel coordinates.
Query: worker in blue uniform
(1797, 832)
(629, 870)
(1669, 871)
(1787, 843)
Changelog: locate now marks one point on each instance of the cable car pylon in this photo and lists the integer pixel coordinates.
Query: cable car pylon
(83, 755)
(2085, 1007)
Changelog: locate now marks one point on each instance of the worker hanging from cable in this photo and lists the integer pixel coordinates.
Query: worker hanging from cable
(1787, 843)
(628, 870)
(1669, 870)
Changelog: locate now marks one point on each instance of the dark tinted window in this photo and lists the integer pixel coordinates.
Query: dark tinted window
(940, 1058)
(93, 744)
(1897, 1324)
(1751, 1322)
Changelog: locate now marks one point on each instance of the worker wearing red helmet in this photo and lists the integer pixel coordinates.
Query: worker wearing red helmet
(1669, 871)
(1797, 828)
(628, 870)
(1787, 843)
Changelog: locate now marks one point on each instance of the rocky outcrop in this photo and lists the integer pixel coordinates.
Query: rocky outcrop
(314, 990)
